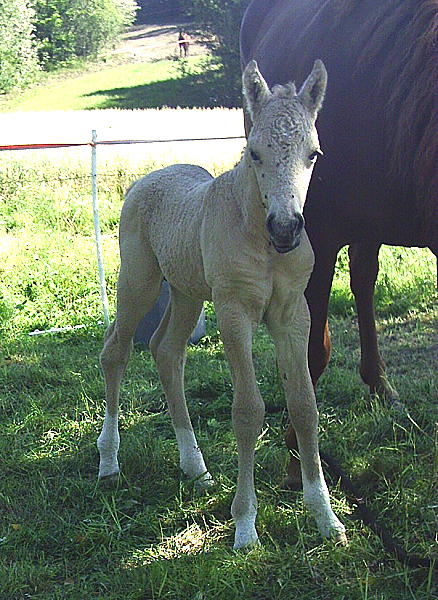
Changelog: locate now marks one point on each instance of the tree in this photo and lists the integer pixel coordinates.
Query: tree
(67, 29)
(18, 57)
(153, 11)
(221, 19)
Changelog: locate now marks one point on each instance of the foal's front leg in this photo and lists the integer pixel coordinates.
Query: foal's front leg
(237, 326)
(291, 339)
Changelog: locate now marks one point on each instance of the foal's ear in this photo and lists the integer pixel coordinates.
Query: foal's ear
(313, 89)
(255, 88)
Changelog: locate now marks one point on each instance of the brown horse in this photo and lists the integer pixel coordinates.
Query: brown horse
(184, 43)
(378, 181)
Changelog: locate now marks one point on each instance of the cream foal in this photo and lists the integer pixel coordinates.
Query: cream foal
(237, 240)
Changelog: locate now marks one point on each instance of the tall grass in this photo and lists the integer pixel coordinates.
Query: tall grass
(62, 536)
(46, 219)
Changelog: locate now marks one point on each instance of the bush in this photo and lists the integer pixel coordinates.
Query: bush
(18, 57)
(68, 29)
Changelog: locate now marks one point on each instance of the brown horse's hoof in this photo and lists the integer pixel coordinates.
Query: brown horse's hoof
(292, 483)
(384, 390)
(389, 395)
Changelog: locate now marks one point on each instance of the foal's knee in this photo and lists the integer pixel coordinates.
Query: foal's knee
(109, 331)
(168, 359)
(248, 412)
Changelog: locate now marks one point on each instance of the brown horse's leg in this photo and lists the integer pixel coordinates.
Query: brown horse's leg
(317, 294)
(364, 267)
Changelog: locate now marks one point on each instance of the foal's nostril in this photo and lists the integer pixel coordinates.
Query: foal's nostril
(270, 223)
(297, 224)
(285, 235)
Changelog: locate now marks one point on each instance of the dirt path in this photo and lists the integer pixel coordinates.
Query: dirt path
(146, 43)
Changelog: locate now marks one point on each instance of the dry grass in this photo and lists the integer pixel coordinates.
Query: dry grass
(113, 124)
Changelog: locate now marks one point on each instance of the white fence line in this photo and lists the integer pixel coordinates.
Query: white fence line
(94, 193)
(97, 231)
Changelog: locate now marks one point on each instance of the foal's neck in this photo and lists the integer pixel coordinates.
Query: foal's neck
(247, 194)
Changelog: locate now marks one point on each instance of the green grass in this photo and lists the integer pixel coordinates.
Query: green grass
(139, 85)
(63, 536)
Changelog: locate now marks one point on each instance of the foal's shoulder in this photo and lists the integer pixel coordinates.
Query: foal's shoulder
(181, 175)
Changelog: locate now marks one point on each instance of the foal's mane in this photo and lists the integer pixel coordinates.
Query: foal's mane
(399, 44)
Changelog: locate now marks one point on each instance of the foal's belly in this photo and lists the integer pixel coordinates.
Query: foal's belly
(180, 261)
(188, 279)
(173, 228)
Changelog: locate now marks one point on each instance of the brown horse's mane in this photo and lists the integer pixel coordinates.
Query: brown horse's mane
(401, 37)
(391, 56)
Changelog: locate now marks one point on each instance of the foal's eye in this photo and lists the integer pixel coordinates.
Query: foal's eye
(314, 155)
(254, 155)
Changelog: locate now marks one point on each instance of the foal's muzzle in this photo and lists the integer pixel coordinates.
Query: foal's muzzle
(285, 236)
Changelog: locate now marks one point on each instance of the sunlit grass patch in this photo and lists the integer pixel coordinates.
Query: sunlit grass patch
(152, 536)
(406, 282)
(127, 86)
(190, 541)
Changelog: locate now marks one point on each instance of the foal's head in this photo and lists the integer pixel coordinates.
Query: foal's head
(283, 147)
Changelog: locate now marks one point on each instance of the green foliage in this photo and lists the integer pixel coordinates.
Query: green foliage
(221, 21)
(67, 29)
(155, 11)
(18, 58)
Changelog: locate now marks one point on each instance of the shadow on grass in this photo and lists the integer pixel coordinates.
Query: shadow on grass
(152, 532)
(203, 90)
(133, 35)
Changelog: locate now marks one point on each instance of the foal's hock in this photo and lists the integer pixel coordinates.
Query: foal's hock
(238, 240)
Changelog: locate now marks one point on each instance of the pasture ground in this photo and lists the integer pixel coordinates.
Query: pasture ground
(131, 85)
(143, 71)
(62, 536)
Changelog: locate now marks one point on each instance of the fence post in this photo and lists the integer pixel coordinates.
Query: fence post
(97, 228)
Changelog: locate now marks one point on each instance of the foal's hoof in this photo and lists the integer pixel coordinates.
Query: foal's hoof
(340, 538)
(109, 481)
(336, 535)
(246, 539)
(204, 482)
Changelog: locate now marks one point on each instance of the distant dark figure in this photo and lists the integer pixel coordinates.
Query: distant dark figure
(184, 43)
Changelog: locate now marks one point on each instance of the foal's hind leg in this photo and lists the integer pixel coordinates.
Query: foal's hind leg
(137, 290)
(168, 346)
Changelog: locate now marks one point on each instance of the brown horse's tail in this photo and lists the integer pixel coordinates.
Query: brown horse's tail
(370, 519)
